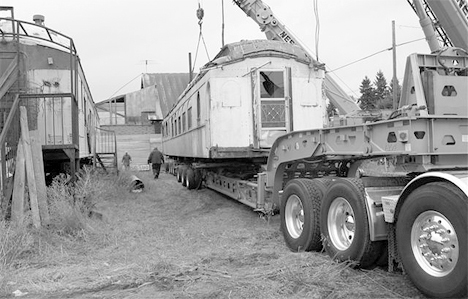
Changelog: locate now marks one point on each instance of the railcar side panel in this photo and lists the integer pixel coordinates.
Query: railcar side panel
(230, 103)
(309, 110)
(53, 114)
(88, 117)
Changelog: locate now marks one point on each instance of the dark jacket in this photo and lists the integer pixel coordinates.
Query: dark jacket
(156, 157)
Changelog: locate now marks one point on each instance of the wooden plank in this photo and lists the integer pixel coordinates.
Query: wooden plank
(17, 203)
(11, 117)
(32, 188)
(9, 77)
(39, 173)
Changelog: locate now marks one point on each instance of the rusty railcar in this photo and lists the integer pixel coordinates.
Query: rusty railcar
(41, 71)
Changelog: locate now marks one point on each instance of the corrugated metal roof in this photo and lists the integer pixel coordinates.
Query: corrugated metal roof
(169, 87)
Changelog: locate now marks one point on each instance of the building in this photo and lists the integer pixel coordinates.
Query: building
(136, 117)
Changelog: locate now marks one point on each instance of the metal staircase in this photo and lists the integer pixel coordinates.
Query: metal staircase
(9, 117)
(105, 156)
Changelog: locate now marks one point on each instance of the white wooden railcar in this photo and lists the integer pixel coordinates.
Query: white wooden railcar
(240, 102)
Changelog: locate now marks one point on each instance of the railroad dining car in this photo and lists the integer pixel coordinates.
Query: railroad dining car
(239, 103)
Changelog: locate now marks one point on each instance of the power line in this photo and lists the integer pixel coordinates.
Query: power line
(369, 56)
(125, 85)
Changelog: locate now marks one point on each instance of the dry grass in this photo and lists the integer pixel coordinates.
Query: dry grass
(14, 242)
(169, 242)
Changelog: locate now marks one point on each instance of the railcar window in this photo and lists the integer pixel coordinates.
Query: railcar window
(84, 112)
(189, 118)
(175, 125)
(273, 114)
(184, 122)
(272, 84)
(198, 107)
(179, 127)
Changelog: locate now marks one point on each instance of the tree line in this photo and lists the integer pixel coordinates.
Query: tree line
(374, 95)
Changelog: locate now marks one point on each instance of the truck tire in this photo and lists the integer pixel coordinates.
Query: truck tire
(190, 178)
(179, 173)
(299, 210)
(344, 224)
(198, 178)
(431, 235)
(184, 175)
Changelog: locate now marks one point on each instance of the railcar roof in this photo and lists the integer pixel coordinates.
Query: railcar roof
(249, 48)
(233, 52)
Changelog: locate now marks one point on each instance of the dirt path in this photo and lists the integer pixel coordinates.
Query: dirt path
(169, 242)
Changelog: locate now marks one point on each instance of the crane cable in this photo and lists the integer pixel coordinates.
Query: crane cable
(200, 15)
(317, 29)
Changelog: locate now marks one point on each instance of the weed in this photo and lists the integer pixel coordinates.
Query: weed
(14, 241)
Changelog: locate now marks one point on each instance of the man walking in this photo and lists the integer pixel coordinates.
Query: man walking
(126, 159)
(156, 158)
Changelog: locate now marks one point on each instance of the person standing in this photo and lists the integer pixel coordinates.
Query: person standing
(126, 159)
(156, 158)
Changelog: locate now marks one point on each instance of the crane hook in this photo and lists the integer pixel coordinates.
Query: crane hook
(200, 14)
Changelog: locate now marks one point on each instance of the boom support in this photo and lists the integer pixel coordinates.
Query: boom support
(275, 30)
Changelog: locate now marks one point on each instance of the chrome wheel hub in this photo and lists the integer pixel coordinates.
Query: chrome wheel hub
(434, 243)
(341, 225)
(294, 216)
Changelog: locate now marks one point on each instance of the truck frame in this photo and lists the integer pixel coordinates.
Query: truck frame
(333, 192)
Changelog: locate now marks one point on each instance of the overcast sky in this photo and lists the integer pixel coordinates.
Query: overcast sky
(115, 38)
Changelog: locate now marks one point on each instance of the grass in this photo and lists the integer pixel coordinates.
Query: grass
(69, 210)
(15, 241)
(174, 243)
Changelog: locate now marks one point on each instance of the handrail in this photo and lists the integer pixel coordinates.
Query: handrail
(48, 35)
(105, 142)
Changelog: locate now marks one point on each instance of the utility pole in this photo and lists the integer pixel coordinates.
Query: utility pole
(222, 25)
(395, 81)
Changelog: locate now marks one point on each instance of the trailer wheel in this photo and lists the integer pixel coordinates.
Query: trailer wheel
(299, 210)
(198, 179)
(431, 235)
(184, 175)
(344, 224)
(179, 173)
(190, 178)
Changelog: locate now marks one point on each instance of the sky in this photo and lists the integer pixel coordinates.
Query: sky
(117, 41)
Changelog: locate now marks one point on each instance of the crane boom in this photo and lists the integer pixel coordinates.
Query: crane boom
(449, 19)
(275, 30)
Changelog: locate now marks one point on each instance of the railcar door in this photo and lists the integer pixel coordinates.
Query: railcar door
(274, 100)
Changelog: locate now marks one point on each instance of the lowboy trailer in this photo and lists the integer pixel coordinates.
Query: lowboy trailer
(329, 195)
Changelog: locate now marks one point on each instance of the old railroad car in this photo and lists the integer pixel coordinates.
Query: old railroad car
(240, 102)
(42, 72)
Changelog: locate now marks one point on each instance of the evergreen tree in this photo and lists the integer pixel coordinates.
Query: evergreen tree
(367, 101)
(382, 94)
(398, 91)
